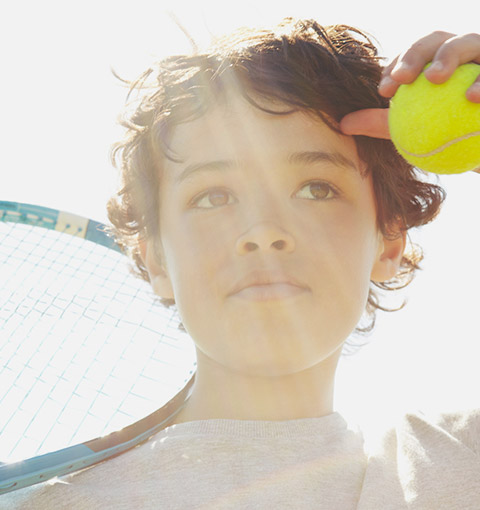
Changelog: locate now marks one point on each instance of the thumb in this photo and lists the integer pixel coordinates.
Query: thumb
(371, 122)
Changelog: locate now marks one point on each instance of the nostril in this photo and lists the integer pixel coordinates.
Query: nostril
(264, 236)
(279, 245)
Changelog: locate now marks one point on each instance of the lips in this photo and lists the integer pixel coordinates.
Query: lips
(267, 285)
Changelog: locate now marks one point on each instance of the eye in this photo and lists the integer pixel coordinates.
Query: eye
(212, 198)
(317, 190)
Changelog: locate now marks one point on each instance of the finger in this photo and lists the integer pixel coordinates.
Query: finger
(473, 92)
(388, 69)
(388, 86)
(454, 52)
(411, 63)
(371, 122)
(406, 67)
(449, 54)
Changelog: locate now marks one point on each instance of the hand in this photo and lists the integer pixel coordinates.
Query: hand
(446, 52)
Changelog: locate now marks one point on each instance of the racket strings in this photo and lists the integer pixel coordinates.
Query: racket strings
(44, 282)
(34, 248)
(84, 347)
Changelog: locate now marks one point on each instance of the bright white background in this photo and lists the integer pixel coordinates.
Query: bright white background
(59, 102)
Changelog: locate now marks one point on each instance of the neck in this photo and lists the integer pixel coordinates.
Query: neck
(220, 392)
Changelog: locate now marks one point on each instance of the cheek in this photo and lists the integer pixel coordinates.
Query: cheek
(347, 245)
(193, 255)
(199, 244)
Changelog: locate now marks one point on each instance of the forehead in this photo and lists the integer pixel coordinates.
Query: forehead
(235, 130)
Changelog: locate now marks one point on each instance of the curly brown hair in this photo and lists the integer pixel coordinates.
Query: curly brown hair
(327, 71)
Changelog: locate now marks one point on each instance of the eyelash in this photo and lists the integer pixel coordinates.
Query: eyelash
(204, 194)
(194, 203)
(331, 189)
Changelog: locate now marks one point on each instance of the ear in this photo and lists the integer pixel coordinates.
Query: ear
(159, 278)
(389, 257)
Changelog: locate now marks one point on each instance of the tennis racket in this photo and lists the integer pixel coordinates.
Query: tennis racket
(91, 364)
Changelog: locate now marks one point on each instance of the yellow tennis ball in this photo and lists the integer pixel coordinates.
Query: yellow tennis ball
(435, 127)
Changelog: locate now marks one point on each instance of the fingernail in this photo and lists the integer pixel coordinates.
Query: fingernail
(437, 66)
(401, 66)
(385, 82)
(474, 93)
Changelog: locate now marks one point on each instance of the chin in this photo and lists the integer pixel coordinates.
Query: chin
(284, 367)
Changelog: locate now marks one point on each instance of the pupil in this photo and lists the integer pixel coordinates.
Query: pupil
(318, 190)
(218, 198)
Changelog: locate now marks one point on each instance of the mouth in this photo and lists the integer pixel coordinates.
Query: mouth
(269, 292)
(263, 286)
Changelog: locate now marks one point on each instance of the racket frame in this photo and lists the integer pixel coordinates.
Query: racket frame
(24, 473)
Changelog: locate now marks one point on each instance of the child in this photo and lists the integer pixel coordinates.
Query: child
(246, 205)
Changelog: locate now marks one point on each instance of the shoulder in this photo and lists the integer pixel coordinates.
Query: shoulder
(427, 439)
(429, 460)
(458, 427)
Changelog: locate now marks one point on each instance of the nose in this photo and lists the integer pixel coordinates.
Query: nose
(265, 236)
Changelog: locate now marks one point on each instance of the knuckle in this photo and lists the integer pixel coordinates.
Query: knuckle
(474, 38)
(440, 34)
(461, 43)
(462, 39)
(417, 45)
(388, 69)
(436, 37)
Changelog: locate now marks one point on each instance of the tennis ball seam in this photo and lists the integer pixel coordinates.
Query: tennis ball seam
(441, 148)
(437, 123)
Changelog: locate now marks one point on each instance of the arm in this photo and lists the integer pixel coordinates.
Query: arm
(446, 52)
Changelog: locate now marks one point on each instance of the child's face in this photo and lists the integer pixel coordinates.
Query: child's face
(269, 237)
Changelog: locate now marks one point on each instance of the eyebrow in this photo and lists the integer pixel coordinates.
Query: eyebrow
(304, 157)
(312, 157)
(219, 165)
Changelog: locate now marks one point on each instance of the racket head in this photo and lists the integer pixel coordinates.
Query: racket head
(86, 348)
